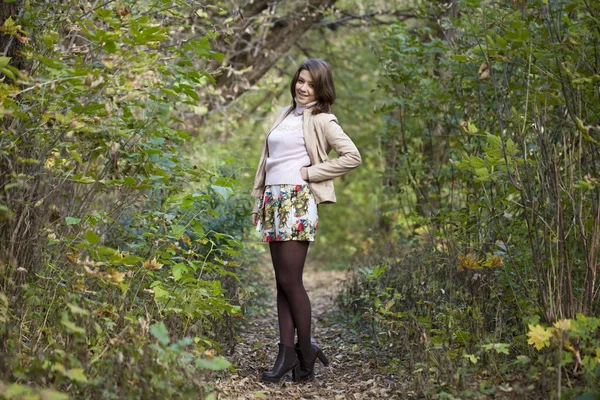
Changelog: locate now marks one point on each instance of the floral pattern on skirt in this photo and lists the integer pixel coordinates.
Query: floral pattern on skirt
(289, 212)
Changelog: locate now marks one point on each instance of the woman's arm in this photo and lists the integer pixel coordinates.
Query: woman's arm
(348, 155)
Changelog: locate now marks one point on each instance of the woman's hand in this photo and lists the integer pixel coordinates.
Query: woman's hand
(304, 173)
(254, 219)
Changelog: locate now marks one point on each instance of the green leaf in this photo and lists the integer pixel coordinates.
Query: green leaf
(471, 357)
(494, 141)
(76, 156)
(129, 181)
(501, 42)
(498, 347)
(79, 178)
(76, 374)
(8, 73)
(71, 327)
(482, 173)
(177, 230)
(130, 259)
(198, 228)
(224, 191)
(459, 58)
(92, 237)
(75, 309)
(4, 61)
(16, 391)
(72, 220)
(472, 128)
(110, 46)
(52, 63)
(580, 126)
(476, 162)
(179, 270)
(48, 394)
(214, 364)
(160, 292)
(160, 332)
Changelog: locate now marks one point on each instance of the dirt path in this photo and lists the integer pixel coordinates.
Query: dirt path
(351, 375)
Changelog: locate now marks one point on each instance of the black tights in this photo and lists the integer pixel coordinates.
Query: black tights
(293, 304)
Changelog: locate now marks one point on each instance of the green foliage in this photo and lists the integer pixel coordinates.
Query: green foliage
(120, 260)
(573, 344)
(491, 174)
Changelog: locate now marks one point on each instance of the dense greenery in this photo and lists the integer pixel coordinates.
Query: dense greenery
(473, 223)
(491, 165)
(120, 260)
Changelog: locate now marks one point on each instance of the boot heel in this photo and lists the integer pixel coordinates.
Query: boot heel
(296, 376)
(323, 358)
(286, 361)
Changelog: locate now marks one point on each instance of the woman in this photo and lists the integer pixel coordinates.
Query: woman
(294, 175)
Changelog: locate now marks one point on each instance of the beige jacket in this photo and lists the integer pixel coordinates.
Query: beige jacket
(321, 134)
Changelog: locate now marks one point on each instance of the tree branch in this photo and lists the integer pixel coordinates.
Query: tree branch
(248, 63)
(402, 15)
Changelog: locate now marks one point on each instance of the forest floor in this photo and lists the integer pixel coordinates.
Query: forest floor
(353, 372)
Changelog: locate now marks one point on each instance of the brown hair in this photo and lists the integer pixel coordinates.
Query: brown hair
(322, 81)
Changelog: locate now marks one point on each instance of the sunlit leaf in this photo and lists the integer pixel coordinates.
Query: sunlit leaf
(214, 364)
(4, 61)
(75, 309)
(72, 220)
(92, 237)
(539, 336)
(160, 332)
(223, 191)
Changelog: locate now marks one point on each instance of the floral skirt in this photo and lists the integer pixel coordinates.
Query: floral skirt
(289, 212)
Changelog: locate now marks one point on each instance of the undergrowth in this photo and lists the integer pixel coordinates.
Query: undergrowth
(465, 334)
(122, 272)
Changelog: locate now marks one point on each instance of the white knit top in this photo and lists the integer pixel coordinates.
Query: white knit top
(287, 151)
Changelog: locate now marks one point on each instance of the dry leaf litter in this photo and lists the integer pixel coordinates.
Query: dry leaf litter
(350, 375)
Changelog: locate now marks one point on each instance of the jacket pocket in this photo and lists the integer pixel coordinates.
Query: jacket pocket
(323, 191)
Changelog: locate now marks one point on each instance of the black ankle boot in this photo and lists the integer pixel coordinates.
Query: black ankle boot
(286, 362)
(307, 358)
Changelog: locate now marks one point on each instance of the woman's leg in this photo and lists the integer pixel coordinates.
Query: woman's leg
(284, 313)
(288, 260)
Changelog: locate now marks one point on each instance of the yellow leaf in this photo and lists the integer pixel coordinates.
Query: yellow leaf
(563, 324)
(468, 261)
(115, 275)
(152, 265)
(494, 261)
(539, 336)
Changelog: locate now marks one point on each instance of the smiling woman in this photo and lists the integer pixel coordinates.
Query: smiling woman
(294, 175)
(305, 88)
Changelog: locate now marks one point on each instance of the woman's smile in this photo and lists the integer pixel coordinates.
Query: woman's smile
(305, 90)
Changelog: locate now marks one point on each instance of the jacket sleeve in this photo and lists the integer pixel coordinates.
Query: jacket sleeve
(348, 155)
(256, 207)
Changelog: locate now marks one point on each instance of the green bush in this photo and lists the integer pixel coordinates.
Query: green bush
(492, 173)
(120, 260)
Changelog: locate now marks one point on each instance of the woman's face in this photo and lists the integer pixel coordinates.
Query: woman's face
(305, 90)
